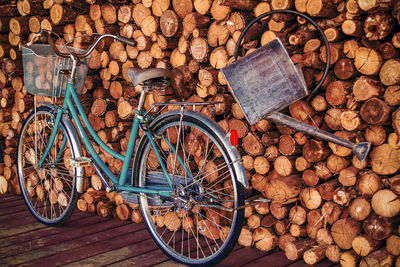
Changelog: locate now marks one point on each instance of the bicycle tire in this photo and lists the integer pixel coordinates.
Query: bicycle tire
(215, 249)
(50, 190)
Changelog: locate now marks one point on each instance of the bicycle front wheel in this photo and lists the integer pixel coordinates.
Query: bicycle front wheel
(201, 222)
(49, 192)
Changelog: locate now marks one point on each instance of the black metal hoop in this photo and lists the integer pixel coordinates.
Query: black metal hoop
(321, 32)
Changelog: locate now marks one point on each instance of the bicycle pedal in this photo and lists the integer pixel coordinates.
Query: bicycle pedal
(80, 162)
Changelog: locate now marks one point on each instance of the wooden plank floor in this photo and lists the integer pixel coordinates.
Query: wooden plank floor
(90, 240)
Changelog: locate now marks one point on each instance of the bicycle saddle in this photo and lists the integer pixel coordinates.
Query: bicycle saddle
(138, 76)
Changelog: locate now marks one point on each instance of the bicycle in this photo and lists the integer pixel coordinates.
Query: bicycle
(186, 176)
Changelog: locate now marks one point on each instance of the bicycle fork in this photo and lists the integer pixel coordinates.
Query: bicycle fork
(52, 138)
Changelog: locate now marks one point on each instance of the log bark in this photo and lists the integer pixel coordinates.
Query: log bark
(294, 250)
(9, 10)
(314, 255)
(298, 230)
(284, 240)
(377, 5)
(247, 5)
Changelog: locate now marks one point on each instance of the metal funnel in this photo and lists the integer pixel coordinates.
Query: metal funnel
(360, 150)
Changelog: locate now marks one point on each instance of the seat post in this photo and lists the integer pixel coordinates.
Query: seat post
(142, 98)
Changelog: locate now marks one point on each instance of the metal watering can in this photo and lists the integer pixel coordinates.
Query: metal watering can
(266, 81)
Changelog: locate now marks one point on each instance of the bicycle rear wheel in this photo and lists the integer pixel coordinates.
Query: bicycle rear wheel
(49, 192)
(195, 226)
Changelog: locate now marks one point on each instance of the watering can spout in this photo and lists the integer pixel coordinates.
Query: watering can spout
(361, 150)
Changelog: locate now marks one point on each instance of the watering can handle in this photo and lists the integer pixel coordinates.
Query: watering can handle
(321, 32)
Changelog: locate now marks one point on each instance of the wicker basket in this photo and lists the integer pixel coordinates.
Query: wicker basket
(42, 70)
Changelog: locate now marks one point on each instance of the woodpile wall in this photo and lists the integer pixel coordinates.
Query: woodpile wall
(326, 202)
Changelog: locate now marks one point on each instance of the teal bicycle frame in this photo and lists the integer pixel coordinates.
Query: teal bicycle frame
(120, 184)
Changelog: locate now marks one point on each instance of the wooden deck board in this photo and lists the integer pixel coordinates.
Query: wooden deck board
(12, 203)
(89, 240)
(49, 240)
(77, 219)
(14, 209)
(64, 252)
(129, 251)
(242, 256)
(84, 248)
(325, 263)
(150, 258)
(8, 197)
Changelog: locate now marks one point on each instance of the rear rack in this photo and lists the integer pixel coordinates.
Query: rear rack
(182, 105)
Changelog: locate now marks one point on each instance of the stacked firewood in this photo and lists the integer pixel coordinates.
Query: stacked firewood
(326, 203)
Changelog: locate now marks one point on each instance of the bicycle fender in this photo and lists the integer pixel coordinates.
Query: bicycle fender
(236, 160)
(70, 130)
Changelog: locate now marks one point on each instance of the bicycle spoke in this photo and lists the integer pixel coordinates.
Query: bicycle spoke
(193, 230)
(50, 189)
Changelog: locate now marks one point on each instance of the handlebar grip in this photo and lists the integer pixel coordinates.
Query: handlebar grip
(54, 47)
(126, 40)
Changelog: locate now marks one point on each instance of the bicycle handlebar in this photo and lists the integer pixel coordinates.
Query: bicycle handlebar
(90, 49)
